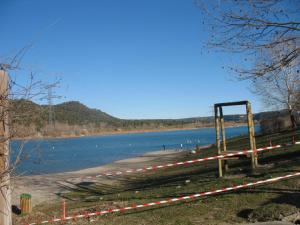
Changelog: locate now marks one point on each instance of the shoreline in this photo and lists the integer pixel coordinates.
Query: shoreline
(110, 133)
(48, 187)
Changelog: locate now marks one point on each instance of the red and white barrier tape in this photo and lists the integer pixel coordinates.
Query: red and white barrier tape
(149, 168)
(188, 197)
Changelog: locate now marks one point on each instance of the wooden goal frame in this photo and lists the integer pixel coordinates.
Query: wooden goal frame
(220, 133)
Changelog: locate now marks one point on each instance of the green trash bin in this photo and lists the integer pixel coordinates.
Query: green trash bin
(25, 203)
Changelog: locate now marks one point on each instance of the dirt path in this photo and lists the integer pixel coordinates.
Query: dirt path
(48, 187)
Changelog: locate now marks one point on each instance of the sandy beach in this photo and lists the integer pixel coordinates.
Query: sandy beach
(47, 187)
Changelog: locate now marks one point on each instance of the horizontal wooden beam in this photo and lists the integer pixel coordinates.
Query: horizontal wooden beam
(231, 103)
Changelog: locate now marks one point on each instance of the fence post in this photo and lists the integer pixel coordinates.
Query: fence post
(293, 140)
(5, 196)
(251, 136)
(218, 141)
(63, 209)
(223, 136)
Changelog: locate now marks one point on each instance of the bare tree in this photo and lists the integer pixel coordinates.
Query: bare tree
(280, 88)
(10, 115)
(252, 27)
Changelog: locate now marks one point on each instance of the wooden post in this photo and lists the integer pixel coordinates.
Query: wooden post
(293, 140)
(223, 136)
(253, 138)
(218, 142)
(63, 209)
(5, 195)
(251, 135)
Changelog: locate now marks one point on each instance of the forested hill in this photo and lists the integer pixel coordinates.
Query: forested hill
(75, 117)
(73, 113)
(76, 113)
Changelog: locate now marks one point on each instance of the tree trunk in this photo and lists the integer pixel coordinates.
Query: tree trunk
(293, 120)
(5, 191)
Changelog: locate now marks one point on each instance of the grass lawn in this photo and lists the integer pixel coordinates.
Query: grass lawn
(162, 184)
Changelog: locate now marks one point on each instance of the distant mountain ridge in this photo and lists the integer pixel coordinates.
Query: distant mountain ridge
(77, 119)
(74, 112)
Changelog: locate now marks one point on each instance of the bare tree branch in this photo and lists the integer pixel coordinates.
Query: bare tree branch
(252, 27)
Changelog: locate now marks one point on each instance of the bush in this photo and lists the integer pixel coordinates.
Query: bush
(275, 125)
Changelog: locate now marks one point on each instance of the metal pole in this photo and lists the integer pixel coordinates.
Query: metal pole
(5, 195)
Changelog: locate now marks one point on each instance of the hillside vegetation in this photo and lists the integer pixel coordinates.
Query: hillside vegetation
(75, 119)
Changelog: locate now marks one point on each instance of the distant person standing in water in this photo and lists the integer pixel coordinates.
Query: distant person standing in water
(181, 146)
(164, 147)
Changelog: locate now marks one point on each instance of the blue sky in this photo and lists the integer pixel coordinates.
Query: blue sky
(132, 59)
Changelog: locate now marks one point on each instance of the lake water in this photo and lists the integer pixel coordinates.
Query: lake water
(60, 155)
